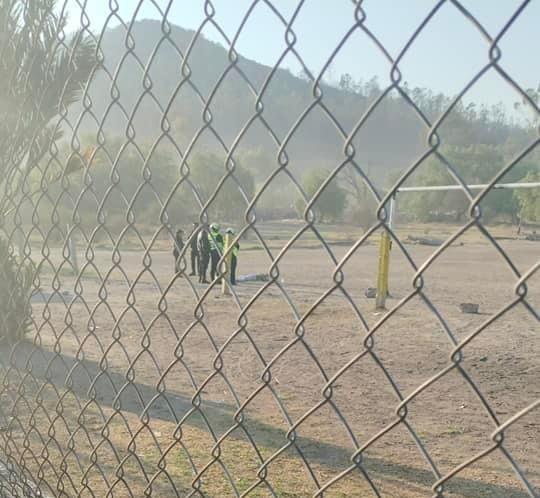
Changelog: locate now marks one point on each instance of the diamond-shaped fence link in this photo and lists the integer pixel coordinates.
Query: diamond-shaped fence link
(131, 377)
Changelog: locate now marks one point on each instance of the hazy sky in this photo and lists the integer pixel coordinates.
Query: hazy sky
(444, 57)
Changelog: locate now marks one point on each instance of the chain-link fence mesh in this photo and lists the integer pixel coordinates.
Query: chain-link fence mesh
(132, 378)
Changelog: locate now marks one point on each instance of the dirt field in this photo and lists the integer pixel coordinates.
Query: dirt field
(272, 391)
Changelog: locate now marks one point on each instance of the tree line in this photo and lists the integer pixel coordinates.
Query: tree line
(145, 186)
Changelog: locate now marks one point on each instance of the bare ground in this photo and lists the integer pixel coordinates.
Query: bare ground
(274, 390)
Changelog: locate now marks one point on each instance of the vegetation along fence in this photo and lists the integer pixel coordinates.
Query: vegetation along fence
(130, 129)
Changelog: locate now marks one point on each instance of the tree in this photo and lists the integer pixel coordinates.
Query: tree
(429, 205)
(480, 164)
(363, 206)
(476, 164)
(206, 171)
(524, 107)
(346, 82)
(529, 199)
(126, 179)
(331, 203)
(258, 162)
(40, 78)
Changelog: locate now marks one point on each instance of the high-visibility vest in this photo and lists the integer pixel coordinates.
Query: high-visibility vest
(214, 243)
(235, 250)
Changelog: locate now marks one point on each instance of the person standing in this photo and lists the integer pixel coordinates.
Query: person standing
(177, 250)
(215, 240)
(194, 250)
(203, 248)
(234, 256)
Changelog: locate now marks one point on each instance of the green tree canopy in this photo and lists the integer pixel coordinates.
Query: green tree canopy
(206, 173)
(528, 200)
(331, 204)
(475, 164)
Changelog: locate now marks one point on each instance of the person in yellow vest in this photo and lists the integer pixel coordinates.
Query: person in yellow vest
(215, 240)
(234, 256)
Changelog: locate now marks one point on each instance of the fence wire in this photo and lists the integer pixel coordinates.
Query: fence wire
(133, 379)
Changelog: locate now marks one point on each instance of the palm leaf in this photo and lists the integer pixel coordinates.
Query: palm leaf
(41, 76)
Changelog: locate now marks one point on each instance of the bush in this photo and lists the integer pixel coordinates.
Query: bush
(15, 292)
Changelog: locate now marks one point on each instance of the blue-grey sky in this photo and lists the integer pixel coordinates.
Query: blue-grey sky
(446, 55)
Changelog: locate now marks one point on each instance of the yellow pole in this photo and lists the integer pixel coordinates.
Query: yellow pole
(384, 259)
(225, 280)
(382, 277)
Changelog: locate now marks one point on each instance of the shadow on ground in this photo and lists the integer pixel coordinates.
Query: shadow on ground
(87, 380)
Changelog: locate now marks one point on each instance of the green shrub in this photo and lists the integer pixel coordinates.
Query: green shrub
(16, 281)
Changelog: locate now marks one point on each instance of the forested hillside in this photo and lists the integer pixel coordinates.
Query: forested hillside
(203, 91)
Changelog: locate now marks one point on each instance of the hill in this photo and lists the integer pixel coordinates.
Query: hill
(145, 71)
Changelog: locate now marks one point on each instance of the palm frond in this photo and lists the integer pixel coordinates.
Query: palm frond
(43, 75)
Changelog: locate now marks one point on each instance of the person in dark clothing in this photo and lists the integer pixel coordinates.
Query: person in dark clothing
(177, 250)
(203, 247)
(194, 250)
(216, 248)
(234, 256)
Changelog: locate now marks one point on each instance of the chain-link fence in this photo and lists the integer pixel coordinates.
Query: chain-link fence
(123, 374)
